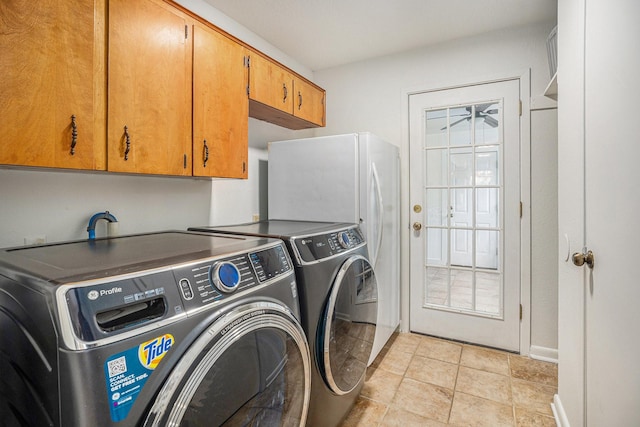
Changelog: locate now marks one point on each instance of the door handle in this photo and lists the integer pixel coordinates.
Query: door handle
(417, 226)
(581, 258)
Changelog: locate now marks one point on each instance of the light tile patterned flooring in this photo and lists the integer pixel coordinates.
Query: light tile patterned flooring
(423, 381)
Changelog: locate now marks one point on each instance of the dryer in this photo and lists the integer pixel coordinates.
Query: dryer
(338, 300)
(159, 329)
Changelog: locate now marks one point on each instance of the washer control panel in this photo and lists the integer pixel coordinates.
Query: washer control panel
(208, 282)
(321, 246)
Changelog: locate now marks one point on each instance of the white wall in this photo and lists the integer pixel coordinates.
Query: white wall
(369, 96)
(58, 204)
(544, 224)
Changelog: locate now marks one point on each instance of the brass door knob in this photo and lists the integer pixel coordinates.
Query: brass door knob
(417, 226)
(579, 259)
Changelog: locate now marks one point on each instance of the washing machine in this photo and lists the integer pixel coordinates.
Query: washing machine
(159, 329)
(338, 301)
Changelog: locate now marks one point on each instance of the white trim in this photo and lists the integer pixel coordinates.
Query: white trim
(558, 412)
(525, 184)
(525, 221)
(405, 213)
(543, 353)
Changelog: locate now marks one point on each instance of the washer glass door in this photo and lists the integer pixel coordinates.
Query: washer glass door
(250, 369)
(349, 325)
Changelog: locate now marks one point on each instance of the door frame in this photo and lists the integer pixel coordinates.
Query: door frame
(524, 77)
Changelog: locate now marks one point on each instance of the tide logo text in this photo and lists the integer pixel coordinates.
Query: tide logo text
(150, 353)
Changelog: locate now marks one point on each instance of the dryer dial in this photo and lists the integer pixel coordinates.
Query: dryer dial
(225, 276)
(344, 239)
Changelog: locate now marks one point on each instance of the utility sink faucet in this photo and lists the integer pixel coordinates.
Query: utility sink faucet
(94, 219)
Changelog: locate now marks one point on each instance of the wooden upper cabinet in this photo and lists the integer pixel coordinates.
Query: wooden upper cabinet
(275, 94)
(50, 61)
(270, 84)
(220, 105)
(149, 90)
(308, 102)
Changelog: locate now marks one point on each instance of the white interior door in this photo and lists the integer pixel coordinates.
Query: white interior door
(599, 378)
(465, 193)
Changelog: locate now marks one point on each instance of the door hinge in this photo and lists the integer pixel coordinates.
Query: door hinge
(247, 61)
(520, 311)
(520, 107)
(184, 162)
(186, 32)
(520, 209)
(244, 167)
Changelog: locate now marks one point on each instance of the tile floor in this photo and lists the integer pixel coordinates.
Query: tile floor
(423, 381)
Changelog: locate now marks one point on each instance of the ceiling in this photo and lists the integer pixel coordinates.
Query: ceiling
(322, 34)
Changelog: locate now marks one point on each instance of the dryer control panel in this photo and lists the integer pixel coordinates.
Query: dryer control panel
(212, 281)
(320, 246)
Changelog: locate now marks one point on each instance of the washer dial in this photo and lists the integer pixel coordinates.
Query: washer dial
(225, 276)
(344, 239)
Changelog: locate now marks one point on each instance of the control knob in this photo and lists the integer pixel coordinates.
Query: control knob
(344, 239)
(225, 276)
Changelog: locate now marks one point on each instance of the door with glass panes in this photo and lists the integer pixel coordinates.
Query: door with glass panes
(465, 199)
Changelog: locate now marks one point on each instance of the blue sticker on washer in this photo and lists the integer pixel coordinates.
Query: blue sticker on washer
(127, 372)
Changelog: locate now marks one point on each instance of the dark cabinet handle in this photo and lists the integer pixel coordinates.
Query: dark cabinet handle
(127, 141)
(299, 100)
(206, 153)
(284, 90)
(74, 134)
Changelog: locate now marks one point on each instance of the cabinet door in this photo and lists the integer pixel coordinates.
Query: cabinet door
(308, 102)
(220, 105)
(149, 112)
(270, 84)
(47, 68)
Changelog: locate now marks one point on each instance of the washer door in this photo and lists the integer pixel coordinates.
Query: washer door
(349, 325)
(250, 368)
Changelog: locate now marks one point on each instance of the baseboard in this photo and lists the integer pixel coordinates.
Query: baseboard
(558, 412)
(543, 353)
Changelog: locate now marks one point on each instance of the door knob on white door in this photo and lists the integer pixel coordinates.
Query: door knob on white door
(417, 226)
(581, 258)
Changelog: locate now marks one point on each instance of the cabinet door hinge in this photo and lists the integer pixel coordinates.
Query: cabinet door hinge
(520, 209)
(186, 32)
(244, 167)
(184, 162)
(520, 107)
(520, 311)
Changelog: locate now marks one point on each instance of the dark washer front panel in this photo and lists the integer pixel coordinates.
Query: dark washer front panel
(173, 328)
(250, 368)
(348, 326)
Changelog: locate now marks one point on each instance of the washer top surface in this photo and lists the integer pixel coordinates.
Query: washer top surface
(283, 229)
(85, 259)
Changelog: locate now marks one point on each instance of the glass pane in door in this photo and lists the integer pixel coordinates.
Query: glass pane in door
(436, 128)
(487, 123)
(463, 188)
